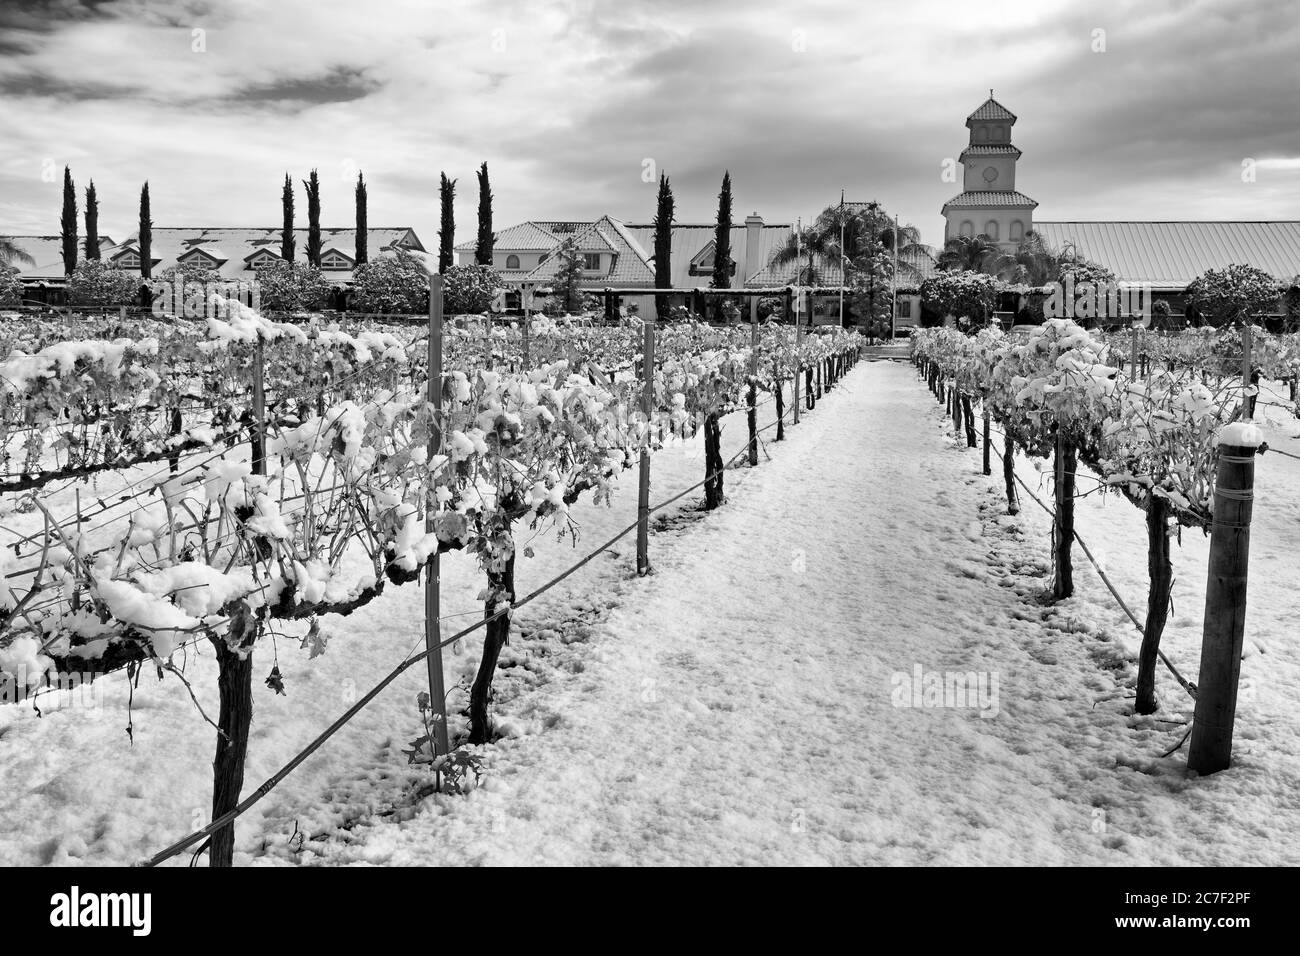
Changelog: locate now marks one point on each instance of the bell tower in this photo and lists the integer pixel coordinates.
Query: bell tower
(989, 204)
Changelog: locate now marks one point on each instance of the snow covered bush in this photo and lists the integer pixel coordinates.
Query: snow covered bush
(292, 287)
(392, 283)
(1234, 293)
(972, 294)
(11, 289)
(469, 290)
(94, 282)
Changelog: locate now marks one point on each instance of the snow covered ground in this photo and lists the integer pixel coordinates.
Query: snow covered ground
(745, 704)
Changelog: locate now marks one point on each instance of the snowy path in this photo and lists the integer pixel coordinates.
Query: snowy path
(736, 708)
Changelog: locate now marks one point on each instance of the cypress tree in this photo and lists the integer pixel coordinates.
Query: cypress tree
(286, 231)
(663, 244)
(92, 223)
(446, 196)
(722, 238)
(312, 185)
(483, 248)
(69, 223)
(363, 253)
(146, 235)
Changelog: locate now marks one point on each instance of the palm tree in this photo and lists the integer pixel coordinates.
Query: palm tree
(11, 253)
(1033, 263)
(865, 228)
(969, 254)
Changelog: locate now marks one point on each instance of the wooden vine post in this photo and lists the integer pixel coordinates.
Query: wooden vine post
(259, 407)
(643, 487)
(987, 469)
(798, 369)
(432, 585)
(1225, 604)
(751, 414)
(1065, 461)
(526, 300)
(1247, 372)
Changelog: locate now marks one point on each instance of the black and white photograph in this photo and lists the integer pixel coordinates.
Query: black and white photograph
(581, 434)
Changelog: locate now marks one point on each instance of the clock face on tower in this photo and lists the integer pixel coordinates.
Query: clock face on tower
(990, 174)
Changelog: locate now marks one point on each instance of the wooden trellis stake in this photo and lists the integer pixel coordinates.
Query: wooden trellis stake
(259, 408)
(752, 413)
(987, 469)
(1224, 629)
(432, 593)
(798, 340)
(643, 487)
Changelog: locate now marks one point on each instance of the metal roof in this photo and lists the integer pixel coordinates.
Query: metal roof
(48, 251)
(1172, 254)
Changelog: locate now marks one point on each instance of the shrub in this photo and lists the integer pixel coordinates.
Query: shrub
(1236, 292)
(1160, 312)
(972, 294)
(94, 282)
(11, 289)
(469, 289)
(292, 287)
(393, 283)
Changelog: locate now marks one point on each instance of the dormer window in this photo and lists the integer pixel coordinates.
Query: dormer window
(512, 262)
(702, 263)
(334, 261)
(128, 260)
(591, 261)
(200, 260)
(263, 260)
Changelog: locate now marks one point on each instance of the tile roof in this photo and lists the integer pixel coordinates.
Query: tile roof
(991, 109)
(990, 149)
(630, 265)
(689, 240)
(524, 237)
(990, 197)
(1172, 254)
(236, 245)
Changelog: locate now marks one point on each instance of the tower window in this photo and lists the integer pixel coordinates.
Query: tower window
(967, 228)
(981, 134)
(991, 229)
(1017, 230)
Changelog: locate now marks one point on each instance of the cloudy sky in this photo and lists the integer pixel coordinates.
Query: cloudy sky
(1128, 110)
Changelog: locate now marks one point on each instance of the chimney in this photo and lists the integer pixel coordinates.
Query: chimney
(753, 247)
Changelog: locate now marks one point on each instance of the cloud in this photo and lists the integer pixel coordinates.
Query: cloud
(568, 99)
